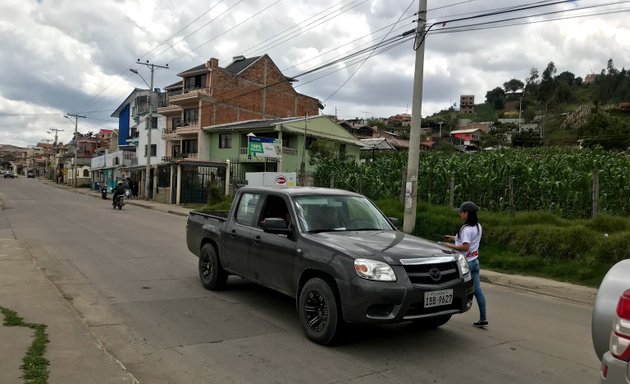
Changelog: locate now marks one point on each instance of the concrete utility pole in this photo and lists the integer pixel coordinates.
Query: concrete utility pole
(411, 186)
(147, 186)
(76, 144)
(51, 130)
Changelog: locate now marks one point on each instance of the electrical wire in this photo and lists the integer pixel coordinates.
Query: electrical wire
(182, 29)
(256, 14)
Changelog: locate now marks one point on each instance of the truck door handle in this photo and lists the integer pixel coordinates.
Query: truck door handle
(257, 240)
(233, 234)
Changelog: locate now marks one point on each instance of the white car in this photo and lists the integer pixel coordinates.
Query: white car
(610, 327)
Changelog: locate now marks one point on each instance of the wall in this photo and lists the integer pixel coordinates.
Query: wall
(240, 98)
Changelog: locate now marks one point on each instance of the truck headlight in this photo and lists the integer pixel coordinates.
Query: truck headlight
(374, 270)
(463, 265)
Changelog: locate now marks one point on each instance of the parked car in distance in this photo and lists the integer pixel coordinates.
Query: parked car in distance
(30, 174)
(9, 175)
(610, 327)
(335, 254)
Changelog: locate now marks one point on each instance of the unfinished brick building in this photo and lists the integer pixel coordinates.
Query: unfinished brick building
(247, 89)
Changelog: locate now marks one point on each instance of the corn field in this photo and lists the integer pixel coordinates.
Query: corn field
(559, 180)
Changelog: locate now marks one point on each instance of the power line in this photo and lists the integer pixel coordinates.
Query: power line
(370, 55)
(196, 30)
(311, 25)
(256, 14)
(184, 28)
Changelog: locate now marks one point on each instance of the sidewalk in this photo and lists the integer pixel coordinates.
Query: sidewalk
(74, 352)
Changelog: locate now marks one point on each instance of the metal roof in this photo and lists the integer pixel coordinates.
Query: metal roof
(241, 63)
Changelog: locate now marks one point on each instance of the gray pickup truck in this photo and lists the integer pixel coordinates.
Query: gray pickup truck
(334, 252)
(610, 326)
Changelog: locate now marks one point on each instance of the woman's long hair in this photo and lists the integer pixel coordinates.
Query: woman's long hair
(471, 221)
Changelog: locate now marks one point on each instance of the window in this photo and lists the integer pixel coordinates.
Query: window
(175, 151)
(154, 122)
(342, 151)
(176, 122)
(195, 82)
(225, 140)
(86, 173)
(246, 208)
(153, 150)
(190, 116)
(189, 146)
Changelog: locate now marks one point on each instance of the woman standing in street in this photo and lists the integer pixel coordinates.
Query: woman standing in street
(467, 242)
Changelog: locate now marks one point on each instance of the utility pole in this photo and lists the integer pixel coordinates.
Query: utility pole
(411, 186)
(147, 186)
(76, 145)
(50, 130)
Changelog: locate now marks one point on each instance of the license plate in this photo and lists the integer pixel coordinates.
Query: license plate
(437, 298)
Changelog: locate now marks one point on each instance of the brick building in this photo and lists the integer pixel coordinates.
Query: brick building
(467, 104)
(247, 89)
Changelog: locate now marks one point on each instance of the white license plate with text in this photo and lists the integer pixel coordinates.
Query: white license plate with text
(437, 298)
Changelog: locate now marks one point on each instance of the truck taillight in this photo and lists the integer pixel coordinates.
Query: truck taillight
(620, 335)
(623, 307)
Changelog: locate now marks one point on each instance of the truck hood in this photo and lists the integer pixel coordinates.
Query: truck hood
(387, 246)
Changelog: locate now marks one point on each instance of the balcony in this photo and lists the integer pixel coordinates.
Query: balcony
(187, 127)
(189, 96)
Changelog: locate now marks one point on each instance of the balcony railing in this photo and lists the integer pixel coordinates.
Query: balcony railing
(187, 95)
(285, 151)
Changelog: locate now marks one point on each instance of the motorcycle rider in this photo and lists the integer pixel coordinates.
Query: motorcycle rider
(119, 190)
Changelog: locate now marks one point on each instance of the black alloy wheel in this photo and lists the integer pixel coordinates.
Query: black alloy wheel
(211, 273)
(319, 312)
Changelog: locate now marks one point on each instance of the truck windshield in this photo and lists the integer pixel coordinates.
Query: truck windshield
(339, 213)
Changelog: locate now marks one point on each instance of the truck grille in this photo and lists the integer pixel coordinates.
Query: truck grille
(433, 275)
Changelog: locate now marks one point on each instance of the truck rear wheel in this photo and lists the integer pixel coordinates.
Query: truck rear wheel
(211, 273)
(319, 312)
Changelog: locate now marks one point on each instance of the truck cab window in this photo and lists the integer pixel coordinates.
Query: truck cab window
(275, 206)
(247, 208)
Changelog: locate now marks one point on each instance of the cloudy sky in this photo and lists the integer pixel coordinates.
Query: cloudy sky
(69, 56)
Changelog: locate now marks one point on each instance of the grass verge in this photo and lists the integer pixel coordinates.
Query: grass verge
(34, 364)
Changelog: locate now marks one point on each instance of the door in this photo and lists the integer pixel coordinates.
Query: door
(272, 256)
(238, 235)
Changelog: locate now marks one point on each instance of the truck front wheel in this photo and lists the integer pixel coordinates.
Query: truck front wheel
(319, 312)
(211, 273)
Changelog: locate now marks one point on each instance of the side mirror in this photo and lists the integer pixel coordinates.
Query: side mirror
(275, 225)
(394, 221)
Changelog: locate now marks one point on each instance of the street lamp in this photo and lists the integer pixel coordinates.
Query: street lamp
(147, 187)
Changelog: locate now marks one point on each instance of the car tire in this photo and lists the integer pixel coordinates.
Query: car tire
(432, 322)
(211, 273)
(319, 312)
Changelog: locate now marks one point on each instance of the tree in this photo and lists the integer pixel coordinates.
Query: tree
(602, 129)
(566, 77)
(322, 149)
(547, 85)
(496, 98)
(513, 85)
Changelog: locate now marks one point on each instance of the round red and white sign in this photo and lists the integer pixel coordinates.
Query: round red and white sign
(281, 180)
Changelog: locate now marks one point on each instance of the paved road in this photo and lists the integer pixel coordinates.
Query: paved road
(131, 279)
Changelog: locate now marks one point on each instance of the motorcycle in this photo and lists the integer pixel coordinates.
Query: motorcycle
(120, 201)
(104, 192)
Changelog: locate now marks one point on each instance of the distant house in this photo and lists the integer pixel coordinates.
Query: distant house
(467, 104)
(403, 120)
(377, 144)
(590, 78)
(467, 137)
